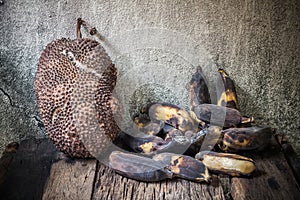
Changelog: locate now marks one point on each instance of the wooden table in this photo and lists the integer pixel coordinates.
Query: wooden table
(38, 171)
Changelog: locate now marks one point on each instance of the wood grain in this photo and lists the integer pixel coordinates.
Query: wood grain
(110, 185)
(273, 180)
(290, 154)
(70, 179)
(29, 174)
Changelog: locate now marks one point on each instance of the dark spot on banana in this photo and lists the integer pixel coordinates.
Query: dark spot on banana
(273, 183)
(240, 139)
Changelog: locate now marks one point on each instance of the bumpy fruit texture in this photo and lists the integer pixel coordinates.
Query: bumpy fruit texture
(73, 83)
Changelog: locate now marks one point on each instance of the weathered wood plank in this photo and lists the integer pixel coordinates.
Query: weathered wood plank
(110, 185)
(226, 185)
(79, 179)
(6, 159)
(28, 170)
(274, 179)
(71, 179)
(290, 154)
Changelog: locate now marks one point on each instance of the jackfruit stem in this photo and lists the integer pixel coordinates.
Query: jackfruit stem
(90, 29)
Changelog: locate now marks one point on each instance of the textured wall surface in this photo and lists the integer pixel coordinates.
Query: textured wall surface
(156, 46)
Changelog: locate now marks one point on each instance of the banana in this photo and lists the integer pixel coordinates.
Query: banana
(218, 115)
(143, 143)
(172, 115)
(226, 93)
(230, 164)
(184, 167)
(249, 138)
(152, 128)
(198, 90)
(161, 166)
(138, 167)
(198, 93)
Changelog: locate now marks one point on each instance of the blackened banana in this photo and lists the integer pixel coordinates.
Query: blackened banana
(138, 167)
(218, 115)
(226, 93)
(160, 167)
(171, 114)
(198, 90)
(184, 167)
(144, 143)
(249, 138)
(198, 93)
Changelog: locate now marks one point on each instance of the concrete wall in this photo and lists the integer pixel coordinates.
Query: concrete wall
(156, 46)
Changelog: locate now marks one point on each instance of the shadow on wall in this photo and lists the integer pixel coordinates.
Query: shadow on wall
(245, 100)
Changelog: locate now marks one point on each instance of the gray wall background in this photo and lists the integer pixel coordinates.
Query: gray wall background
(156, 46)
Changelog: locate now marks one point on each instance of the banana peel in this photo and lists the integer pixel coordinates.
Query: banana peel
(218, 115)
(226, 92)
(173, 115)
(250, 138)
(184, 167)
(226, 163)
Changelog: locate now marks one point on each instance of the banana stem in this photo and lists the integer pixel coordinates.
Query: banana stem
(246, 120)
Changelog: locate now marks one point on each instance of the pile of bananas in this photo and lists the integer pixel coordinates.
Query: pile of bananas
(202, 141)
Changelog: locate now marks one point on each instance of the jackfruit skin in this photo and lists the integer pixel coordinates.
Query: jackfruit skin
(74, 84)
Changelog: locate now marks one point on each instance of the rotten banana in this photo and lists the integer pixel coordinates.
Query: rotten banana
(138, 167)
(144, 143)
(198, 90)
(152, 128)
(172, 115)
(231, 164)
(218, 115)
(249, 138)
(226, 93)
(160, 167)
(184, 167)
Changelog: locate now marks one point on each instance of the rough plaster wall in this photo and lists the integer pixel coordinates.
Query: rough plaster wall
(257, 42)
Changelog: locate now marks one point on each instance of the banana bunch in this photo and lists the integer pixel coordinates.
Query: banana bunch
(207, 127)
(228, 129)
